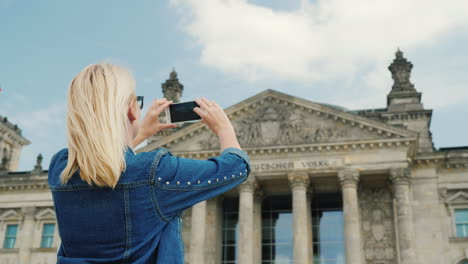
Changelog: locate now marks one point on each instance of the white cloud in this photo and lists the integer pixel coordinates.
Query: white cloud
(41, 122)
(45, 127)
(321, 41)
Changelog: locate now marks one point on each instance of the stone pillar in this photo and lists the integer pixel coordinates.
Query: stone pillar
(400, 178)
(26, 234)
(214, 219)
(245, 254)
(309, 227)
(349, 179)
(258, 199)
(299, 183)
(198, 232)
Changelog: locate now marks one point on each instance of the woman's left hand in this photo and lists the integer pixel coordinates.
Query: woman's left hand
(150, 124)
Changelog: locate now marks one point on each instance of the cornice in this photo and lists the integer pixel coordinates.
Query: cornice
(410, 115)
(10, 133)
(14, 181)
(441, 160)
(307, 148)
(29, 186)
(457, 165)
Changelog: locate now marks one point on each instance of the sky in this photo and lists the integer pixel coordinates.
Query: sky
(328, 51)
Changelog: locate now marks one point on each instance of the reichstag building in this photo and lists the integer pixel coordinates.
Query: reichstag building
(328, 186)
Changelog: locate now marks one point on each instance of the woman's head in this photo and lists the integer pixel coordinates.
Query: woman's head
(102, 116)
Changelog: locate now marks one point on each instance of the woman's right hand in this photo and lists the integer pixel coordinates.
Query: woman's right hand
(213, 116)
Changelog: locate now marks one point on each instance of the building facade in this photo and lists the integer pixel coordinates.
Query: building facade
(328, 186)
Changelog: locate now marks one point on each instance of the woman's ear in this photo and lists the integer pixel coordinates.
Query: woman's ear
(132, 115)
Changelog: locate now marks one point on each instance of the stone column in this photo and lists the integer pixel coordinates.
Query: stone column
(309, 227)
(349, 179)
(258, 199)
(214, 218)
(198, 233)
(26, 234)
(245, 254)
(299, 183)
(400, 178)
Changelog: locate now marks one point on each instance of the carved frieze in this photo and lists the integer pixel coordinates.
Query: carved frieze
(377, 225)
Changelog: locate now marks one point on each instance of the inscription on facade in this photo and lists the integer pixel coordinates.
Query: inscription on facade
(296, 164)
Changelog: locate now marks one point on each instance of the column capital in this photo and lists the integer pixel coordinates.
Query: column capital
(400, 175)
(28, 212)
(298, 179)
(348, 177)
(250, 185)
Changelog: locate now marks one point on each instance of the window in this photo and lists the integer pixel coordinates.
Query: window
(277, 238)
(47, 235)
(230, 229)
(10, 236)
(461, 222)
(328, 229)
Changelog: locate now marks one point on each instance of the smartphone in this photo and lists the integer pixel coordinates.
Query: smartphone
(182, 112)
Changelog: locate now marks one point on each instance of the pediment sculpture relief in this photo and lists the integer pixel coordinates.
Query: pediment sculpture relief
(279, 124)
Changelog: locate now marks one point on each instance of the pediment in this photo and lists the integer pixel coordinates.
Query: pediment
(272, 118)
(47, 214)
(10, 215)
(458, 197)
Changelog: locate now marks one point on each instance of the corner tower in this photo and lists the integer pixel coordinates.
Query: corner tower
(172, 89)
(11, 143)
(404, 106)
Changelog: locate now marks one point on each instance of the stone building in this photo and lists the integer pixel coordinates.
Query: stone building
(327, 184)
(27, 217)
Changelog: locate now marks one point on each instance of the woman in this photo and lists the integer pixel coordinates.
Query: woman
(116, 206)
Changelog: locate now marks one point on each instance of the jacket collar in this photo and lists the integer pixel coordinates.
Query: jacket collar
(130, 150)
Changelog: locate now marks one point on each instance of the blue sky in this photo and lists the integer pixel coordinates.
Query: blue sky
(323, 51)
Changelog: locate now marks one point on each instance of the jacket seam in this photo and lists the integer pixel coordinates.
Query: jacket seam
(151, 175)
(154, 164)
(181, 244)
(87, 187)
(128, 227)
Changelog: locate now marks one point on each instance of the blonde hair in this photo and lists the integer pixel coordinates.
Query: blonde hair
(97, 124)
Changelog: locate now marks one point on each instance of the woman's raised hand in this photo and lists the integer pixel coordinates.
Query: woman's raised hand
(216, 119)
(150, 124)
(213, 116)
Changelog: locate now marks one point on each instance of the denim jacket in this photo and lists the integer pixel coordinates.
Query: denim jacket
(140, 220)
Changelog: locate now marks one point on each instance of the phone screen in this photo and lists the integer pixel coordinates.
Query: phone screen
(181, 112)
